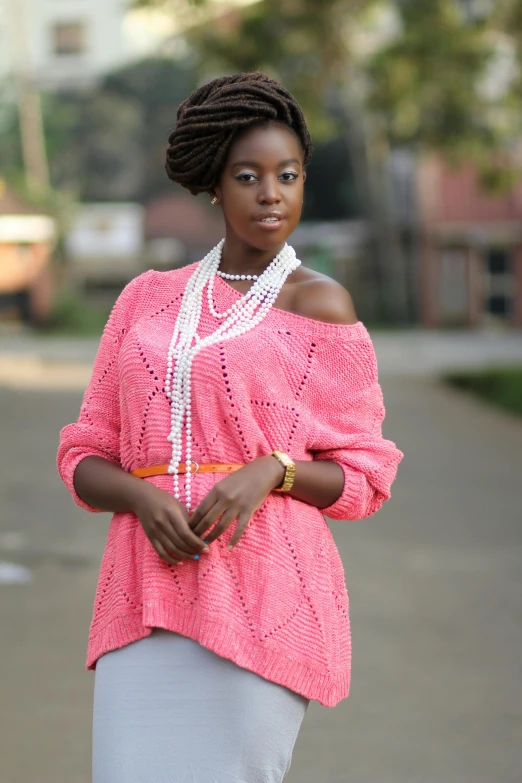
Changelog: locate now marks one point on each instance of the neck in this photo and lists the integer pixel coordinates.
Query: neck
(240, 259)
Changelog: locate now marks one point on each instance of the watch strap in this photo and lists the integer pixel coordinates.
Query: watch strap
(290, 469)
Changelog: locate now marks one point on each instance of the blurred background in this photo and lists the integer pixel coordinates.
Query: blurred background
(414, 203)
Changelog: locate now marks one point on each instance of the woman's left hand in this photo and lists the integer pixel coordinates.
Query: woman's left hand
(239, 495)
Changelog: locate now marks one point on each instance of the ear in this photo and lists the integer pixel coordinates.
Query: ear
(304, 176)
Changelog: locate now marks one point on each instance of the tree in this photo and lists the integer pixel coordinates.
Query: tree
(418, 85)
(157, 86)
(94, 145)
(427, 86)
(109, 143)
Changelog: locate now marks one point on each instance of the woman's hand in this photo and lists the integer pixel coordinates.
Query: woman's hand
(166, 524)
(238, 495)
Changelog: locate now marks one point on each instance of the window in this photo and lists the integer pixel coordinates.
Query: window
(499, 283)
(497, 261)
(69, 38)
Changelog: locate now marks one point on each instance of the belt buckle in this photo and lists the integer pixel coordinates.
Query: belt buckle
(193, 462)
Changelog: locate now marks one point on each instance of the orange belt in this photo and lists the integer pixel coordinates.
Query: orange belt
(208, 467)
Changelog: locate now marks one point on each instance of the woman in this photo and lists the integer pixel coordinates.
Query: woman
(233, 403)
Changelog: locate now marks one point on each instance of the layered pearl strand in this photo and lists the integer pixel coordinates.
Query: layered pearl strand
(227, 276)
(246, 313)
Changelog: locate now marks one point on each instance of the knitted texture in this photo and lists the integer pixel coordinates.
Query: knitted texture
(277, 603)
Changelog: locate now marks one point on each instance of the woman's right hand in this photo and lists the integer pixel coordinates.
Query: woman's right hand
(166, 524)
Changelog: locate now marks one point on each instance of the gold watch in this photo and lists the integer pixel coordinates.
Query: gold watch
(289, 466)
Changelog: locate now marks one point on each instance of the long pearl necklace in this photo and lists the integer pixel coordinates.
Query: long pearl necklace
(246, 313)
(227, 276)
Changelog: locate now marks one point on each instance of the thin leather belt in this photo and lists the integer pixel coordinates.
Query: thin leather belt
(208, 467)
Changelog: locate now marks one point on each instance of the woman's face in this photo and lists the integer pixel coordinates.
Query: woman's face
(261, 187)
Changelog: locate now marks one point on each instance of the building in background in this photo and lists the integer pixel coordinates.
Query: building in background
(470, 250)
(62, 44)
(73, 43)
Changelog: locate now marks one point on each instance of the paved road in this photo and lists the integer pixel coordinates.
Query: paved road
(435, 581)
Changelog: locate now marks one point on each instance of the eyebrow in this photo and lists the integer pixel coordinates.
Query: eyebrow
(255, 165)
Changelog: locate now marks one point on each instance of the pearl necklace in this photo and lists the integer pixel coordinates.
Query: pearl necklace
(226, 276)
(246, 313)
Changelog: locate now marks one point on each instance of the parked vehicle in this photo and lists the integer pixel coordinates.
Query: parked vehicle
(27, 241)
(104, 244)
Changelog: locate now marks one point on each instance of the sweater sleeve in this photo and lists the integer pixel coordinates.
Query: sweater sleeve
(97, 430)
(346, 411)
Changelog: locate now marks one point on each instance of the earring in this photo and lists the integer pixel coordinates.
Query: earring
(214, 201)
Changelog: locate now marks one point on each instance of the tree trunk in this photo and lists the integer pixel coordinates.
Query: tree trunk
(375, 191)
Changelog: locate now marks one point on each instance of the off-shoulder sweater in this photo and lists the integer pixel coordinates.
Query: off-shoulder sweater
(277, 603)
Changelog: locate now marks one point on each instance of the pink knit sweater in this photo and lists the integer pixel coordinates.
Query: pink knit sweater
(277, 603)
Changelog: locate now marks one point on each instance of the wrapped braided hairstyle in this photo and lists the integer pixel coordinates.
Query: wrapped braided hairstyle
(213, 115)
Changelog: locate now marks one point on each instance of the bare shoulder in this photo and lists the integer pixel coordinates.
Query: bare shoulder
(323, 299)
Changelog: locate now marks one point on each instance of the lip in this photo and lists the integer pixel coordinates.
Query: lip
(273, 225)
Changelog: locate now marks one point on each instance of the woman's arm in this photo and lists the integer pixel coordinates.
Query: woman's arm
(96, 433)
(318, 483)
(241, 493)
(107, 487)
(165, 520)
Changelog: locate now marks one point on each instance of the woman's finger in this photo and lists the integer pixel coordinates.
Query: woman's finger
(226, 519)
(189, 541)
(161, 551)
(242, 524)
(171, 549)
(172, 543)
(203, 508)
(209, 519)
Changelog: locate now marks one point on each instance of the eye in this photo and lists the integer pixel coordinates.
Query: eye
(289, 176)
(246, 177)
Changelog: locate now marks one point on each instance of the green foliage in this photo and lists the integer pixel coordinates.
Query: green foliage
(94, 144)
(164, 4)
(423, 87)
(420, 87)
(507, 17)
(108, 143)
(420, 83)
(424, 83)
(427, 89)
(157, 86)
(299, 41)
(499, 386)
(11, 165)
(73, 315)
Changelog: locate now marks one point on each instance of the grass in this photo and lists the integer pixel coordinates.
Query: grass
(500, 386)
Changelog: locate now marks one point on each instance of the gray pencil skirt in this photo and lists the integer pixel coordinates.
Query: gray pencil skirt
(167, 710)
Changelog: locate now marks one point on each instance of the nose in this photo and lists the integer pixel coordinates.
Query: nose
(269, 191)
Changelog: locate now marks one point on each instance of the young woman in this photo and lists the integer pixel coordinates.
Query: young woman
(233, 404)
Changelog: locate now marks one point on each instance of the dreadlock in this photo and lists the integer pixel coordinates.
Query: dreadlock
(211, 117)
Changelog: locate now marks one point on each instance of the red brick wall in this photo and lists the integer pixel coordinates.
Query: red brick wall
(455, 195)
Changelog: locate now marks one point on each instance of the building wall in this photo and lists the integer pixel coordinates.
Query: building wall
(449, 195)
(471, 249)
(62, 42)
